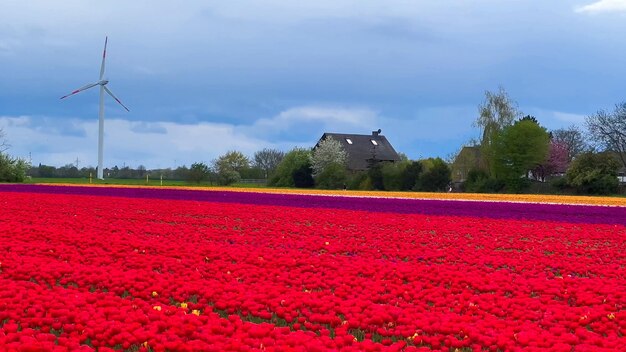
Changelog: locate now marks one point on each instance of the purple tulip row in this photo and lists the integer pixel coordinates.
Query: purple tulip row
(498, 210)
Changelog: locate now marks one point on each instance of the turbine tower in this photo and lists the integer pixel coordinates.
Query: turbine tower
(103, 88)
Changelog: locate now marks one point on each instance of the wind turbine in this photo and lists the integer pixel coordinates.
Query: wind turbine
(103, 88)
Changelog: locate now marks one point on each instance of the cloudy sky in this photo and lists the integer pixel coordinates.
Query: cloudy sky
(204, 77)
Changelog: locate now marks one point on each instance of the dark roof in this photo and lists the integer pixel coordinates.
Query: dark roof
(362, 150)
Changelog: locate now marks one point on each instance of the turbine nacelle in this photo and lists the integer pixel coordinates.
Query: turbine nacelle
(103, 82)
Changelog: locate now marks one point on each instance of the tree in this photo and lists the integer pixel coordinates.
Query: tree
(375, 176)
(181, 173)
(557, 161)
(496, 113)
(393, 175)
(11, 169)
(435, 178)
(232, 160)
(608, 130)
(197, 173)
(46, 171)
(229, 166)
(529, 118)
(411, 174)
(253, 172)
(594, 173)
(298, 159)
(68, 171)
(334, 176)
(479, 182)
(267, 160)
(327, 152)
(520, 148)
(397, 176)
(573, 140)
(141, 171)
(303, 176)
(227, 177)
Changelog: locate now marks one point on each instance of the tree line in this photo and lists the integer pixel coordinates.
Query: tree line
(227, 169)
(514, 150)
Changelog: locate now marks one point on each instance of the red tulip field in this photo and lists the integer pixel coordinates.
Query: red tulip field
(112, 271)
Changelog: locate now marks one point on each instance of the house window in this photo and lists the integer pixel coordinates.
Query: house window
(373, 142)
(349, 140)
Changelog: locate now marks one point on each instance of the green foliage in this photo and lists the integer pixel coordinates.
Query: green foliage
(496, 113)
(227, 177)
(12, 169)
(478, 181)
(393, 175)
(229, 167)
(334, 176)
(400, 176)
(375, 176)
(360, 181)
(411, 174)
(529, 118)
(303, 176)
(520, 148)
(475, 181)
(46, 171)
(233, 160)
(198, 172)
(594, 173)
(517, 184)
(68, 171)
(180, 173)
(436, 177)
(559, 183)
(294, 160)
(254, 172)
(388, 176)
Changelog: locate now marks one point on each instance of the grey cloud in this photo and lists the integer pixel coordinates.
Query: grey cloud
(146, 127)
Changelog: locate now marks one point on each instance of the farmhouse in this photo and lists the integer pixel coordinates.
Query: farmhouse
(363, 149)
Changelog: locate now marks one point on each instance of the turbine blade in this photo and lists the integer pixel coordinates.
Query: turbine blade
(104, 55)
(114, 97)
(80, 89)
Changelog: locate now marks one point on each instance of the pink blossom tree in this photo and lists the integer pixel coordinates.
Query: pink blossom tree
(556, 162)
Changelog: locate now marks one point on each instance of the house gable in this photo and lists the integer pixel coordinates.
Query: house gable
(363, 149)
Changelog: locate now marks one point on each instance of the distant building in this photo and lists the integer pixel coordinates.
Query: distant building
(467, 159)
(364, 150)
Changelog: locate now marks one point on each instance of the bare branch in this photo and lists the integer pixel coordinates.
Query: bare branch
(608, 129)
(4, 145)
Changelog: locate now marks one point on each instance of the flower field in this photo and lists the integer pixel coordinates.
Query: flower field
(95, 268)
